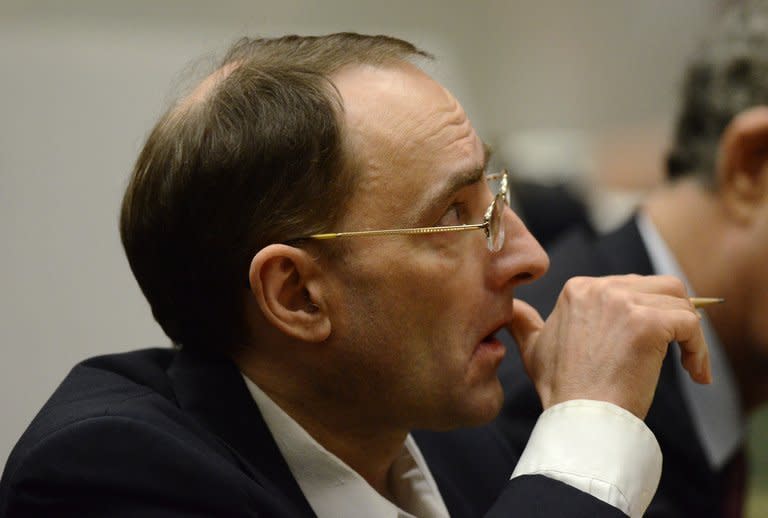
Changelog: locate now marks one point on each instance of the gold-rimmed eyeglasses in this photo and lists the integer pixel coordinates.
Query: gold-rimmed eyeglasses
(492, 225)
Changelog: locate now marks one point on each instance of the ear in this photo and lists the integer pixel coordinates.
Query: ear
(743, 163)
(287, 284)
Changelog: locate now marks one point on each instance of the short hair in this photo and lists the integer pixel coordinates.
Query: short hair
(728, 74)
(256, 158)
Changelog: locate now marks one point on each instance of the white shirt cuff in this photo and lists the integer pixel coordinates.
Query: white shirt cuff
(599, 448)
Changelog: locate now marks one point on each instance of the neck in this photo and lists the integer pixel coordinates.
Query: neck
(688, 219)
(707, 244)
(367, 447)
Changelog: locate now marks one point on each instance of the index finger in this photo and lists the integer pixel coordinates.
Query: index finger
(658, 284)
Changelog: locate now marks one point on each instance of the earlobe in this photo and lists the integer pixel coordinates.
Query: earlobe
(287, 285)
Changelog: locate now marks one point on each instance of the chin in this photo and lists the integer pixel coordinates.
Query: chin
(487, 410)
(476, 408)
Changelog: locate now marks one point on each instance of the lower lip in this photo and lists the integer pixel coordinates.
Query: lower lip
(492, 348)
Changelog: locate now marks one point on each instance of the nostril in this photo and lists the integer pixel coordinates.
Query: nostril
(524, 276)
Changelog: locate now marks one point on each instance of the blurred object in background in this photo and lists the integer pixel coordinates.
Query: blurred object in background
(549, 169)
(628, 163)
(630, 157)
(564, 178)
(549, 210)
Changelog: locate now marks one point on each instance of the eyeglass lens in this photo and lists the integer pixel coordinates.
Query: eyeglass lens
(496, 224)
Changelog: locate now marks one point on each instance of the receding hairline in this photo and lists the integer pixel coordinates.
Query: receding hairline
(205, 88)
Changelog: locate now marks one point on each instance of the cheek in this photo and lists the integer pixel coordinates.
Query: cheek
(416, 292)
(439, 297)
(419, 268)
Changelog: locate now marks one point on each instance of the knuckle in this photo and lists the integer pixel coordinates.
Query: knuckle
(638, 316)
(575, 287)
(673, 285)
(691, 320)
(618, 299)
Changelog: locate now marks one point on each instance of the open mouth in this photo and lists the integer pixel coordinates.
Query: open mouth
(490, 349)
(490, 338)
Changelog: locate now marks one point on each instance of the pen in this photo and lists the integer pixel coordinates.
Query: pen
(700, 302)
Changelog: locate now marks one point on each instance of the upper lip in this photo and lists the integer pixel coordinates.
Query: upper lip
(501, 323)
(493, 330)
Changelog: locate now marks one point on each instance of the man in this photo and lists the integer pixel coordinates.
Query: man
(709, 227)
(312, 225)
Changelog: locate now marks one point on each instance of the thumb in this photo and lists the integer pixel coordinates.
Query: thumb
(525, 325)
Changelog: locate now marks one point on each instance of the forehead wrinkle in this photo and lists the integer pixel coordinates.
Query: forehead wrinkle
(452, 125)
(454, 131)
(426, 132)
(445, 123)
(454, 134)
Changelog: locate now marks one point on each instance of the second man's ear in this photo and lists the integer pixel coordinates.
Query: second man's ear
(288, 287)
(743, 162)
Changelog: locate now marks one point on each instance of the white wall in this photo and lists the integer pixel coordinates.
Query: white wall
(588, 64)
(81, 83)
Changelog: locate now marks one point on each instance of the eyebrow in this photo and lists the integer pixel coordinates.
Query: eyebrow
(455, 183)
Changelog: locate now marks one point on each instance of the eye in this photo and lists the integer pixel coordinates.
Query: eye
(453, 216)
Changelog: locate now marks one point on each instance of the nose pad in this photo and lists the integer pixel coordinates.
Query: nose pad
(522, 259)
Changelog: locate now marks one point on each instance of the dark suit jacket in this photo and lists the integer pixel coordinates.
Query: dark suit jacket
(162, 432)
(688, 487)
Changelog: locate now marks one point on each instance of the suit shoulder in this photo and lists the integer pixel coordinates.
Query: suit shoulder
(113, 436)
(133, 385)
(108, 464)
(106, 385)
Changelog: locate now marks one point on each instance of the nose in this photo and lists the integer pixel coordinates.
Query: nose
(521, 259)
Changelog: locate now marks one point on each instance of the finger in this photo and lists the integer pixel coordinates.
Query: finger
(525, 325)
(660, 284)
(695, 359)
(667, 302)
(693, 347)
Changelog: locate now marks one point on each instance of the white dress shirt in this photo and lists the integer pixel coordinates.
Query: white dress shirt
(333, 489)
(716, 408)
(606, 452)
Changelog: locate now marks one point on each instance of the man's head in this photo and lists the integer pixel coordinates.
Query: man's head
(717, 224)
(394, 328)
(728, 74)
(252, 156)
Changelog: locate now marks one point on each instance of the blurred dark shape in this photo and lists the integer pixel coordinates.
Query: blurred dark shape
(549, 210)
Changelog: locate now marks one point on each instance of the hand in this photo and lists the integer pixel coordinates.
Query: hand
(607, 338)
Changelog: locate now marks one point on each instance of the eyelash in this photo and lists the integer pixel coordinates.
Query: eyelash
(457, 208)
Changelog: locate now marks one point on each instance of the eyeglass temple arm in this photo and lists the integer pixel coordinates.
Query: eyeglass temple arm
(420, 230)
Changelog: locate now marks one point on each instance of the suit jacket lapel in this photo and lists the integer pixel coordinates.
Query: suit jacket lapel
(211, 388)
(622, 251)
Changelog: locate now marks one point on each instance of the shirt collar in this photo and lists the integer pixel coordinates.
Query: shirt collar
(332, 488)
(716, 408)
